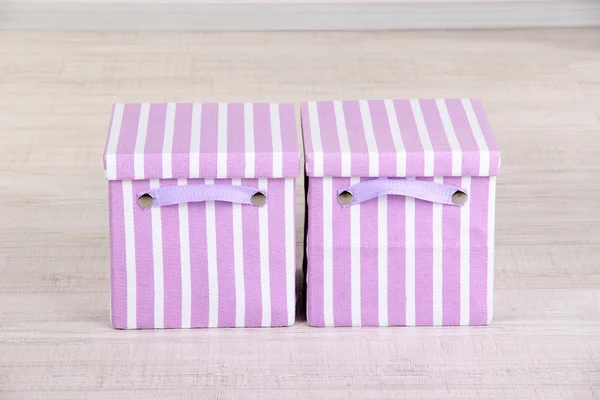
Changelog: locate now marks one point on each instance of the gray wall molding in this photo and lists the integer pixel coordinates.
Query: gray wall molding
(126, 15)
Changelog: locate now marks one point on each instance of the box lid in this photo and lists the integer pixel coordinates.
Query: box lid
(210, 140)
(398, 138)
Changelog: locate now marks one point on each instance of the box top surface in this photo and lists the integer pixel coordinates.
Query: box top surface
(202, 140)
(398, 138)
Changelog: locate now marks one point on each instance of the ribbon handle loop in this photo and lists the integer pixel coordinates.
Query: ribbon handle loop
(422, 190)
(169, 195)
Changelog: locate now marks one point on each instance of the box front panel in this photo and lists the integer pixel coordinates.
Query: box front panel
(396, 260)
(202, 264)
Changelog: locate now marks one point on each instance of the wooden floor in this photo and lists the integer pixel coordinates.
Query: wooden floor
(542, 92)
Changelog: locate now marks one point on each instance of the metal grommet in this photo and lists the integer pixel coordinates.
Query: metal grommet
(146, 201)
(459, 198)
(345, 198)
(259, 199)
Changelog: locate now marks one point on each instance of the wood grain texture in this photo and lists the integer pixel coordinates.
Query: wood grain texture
(542, 93)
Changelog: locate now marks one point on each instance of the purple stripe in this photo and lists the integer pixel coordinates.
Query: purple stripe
(383, 136)
(172, 261)
(289, 137)
(488, 134)
(464, 134)
(369, 261)
(277, 264)
(451, 260)
(118, 270)
(289, 141)
(415, 157)
(330, 140)
(208, 140)
(309, 158)
(356, 138)
(251, 245)
(479, 252)
(144, 263)
(154, 140)
(129, 127)
(181, 140)
(439, 141)
(198, 260)
(236, 156)
(112, 116)
(424, 260)
(396, 261)
(126, 144)
(263, 141)
(225, 262)
(314, 279)
(342, 298)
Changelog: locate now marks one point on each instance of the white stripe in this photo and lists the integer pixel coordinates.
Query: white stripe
(157, 258)
(410, 227)
(424, 136)
(315, 136)
(370, 137)
(328, 251)
(355, 261)
(451, 135)
(167, 165)
(238, 261)
(290, 248)
(113, 140)
(396, 137)
(211, 252)
(222, 141)
(340, 122)
(465, 248)
(195, 140)
(265, 278)
(382, 245)
(249, 139)
(130, 254)
(490, 245)
(186, 273)
(111, 166)
(437, 260)
(140, 142)
(484, 152)
(276, 139)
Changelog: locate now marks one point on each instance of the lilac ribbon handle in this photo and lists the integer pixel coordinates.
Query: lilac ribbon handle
(423, 190)
(168, 195)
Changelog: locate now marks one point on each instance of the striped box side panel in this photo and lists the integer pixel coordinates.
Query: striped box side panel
(169, 267)
(434, 270)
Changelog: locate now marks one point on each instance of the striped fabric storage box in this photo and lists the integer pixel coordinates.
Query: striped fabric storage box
(400, 212)
(201, 204)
